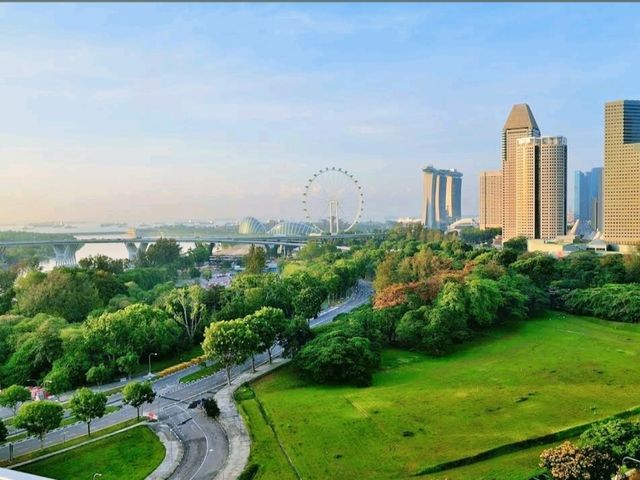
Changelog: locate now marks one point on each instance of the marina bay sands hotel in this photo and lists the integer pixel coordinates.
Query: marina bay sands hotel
(442, 197)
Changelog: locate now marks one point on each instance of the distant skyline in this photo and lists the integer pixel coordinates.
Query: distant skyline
(158, 112)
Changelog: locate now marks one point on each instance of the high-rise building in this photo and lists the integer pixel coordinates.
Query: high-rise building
(441, 204)
(491, 200)
(622, 172)
(588, 197)
(541, 187)
(453, 202)
(519, 124)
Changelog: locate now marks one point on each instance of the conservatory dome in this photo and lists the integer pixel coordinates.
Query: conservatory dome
(292, 229)
(251, 226)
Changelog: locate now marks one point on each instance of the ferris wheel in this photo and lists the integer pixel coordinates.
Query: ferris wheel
(333, 200)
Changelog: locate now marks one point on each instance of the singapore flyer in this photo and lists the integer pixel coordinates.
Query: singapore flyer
(333, 200)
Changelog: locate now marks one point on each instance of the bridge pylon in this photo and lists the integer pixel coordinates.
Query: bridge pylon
(135, 249)
(65, 254)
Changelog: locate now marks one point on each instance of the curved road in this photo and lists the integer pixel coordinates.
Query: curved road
(204, 441)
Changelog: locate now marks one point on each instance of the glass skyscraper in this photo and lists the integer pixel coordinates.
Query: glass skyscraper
(588, 197)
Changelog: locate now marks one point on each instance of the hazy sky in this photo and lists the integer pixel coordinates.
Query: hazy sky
(171, 111)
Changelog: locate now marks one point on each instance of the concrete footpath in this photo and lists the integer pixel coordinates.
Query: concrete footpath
(233, 425)
(239, 440)
(173, 452)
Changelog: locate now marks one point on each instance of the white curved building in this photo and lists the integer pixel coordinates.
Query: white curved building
(462, 223)
(251, 226)
(292, 229)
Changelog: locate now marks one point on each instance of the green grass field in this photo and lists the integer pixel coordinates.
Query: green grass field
(133, 455)
(523, 380)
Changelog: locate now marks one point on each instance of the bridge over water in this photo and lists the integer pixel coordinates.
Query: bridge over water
(65, 250)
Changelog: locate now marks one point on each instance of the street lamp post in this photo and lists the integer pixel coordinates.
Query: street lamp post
(96, 475)
(151, 355)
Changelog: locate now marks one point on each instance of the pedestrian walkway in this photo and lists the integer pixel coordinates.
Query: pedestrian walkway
(239, 440)
(233, 425)
(173, 452)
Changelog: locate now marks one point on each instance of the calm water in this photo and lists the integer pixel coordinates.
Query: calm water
(115, 250)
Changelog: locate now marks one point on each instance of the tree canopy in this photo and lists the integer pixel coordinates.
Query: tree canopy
(39, 418)
(137, 394)
(187, 306)
(11, 397)
(229, 343)
(66, 293)
(87, 406)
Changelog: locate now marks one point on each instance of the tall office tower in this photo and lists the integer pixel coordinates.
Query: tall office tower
(596, 187)
(519, 124)
(453, 202)
(430, 181)
(580, 196)
(490, 200)
(588, 201)
(622, 172)
(541, 187)
(441, 197)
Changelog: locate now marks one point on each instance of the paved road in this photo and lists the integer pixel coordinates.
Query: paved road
(205, 443)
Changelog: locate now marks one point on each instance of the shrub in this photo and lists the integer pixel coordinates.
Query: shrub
(618, 438)
(181, 366)
(3, 432)
(211, 407)
(620, 303)
(569, 462)
(338, 357)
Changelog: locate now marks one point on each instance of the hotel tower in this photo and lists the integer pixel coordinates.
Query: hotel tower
(519, 124)
(622, 172)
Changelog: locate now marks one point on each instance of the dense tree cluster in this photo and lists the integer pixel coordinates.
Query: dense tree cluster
(477, 236)
(442, 292)
(432, 291)
(617, 302)
(599, 453)
(256, 260)
(569, 462)
(90, 324)
(617, 438)
(297, 294)
(339, 355)
(67, 293)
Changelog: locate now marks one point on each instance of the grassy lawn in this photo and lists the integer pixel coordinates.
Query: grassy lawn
(62, 445)
(198, 374)
(520, 465)
(133, 455)
(265, 450)
(520, 381)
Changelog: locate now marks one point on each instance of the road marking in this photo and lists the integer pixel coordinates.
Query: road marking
(206, 439)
